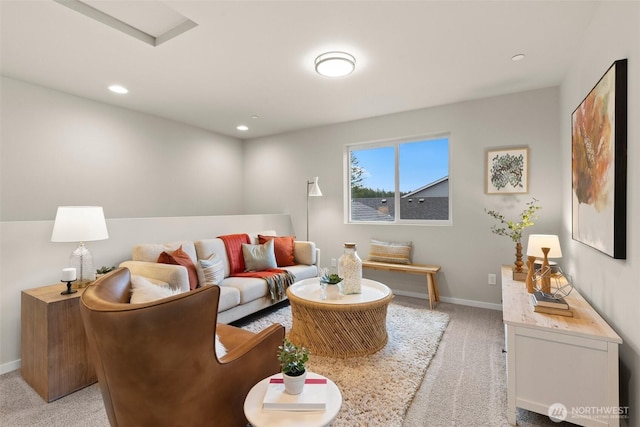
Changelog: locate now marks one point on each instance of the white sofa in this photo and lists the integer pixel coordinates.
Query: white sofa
(239, 296)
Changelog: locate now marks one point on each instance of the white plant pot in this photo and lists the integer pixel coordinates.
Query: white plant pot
(294, 385)
(332, 292)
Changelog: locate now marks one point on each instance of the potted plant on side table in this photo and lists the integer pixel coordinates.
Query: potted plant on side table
(293, 361)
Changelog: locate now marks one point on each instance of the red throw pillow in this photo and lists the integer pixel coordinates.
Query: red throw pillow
(180, 257)
(283, 247)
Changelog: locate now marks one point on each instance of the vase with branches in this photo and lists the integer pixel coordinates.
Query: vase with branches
(514, 229)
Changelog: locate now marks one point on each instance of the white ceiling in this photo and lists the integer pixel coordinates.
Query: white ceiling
(256, 57)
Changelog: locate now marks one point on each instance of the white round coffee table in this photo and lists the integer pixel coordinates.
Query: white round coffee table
(352, 325)
(260, 418)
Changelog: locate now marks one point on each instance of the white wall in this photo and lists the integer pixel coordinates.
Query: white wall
(610, 285)
(59, 149)
(276, 170)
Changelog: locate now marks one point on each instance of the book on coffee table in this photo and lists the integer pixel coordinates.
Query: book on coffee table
(312, 398)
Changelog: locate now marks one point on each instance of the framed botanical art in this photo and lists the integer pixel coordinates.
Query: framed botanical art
(599, 165)
(507, 171)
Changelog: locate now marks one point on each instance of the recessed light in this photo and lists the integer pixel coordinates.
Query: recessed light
(335, 64)
(255, 116)
(518, 57)
(242, 127)
(118, 89)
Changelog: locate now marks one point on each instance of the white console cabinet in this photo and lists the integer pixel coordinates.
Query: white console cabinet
(553, 360)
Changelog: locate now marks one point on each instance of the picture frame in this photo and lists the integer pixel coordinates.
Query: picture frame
(599, 165)
(507, 171)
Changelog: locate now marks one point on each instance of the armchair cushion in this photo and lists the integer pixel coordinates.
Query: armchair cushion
(145, 290)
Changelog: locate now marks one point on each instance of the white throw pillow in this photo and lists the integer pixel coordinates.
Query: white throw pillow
(259, 257)
(210, 270)
(144, 290)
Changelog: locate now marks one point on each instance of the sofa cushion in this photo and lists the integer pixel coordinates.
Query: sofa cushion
(229, 298)
(210, 270)
(283, 248)
(393, 252)
(145, 290)
(259, 257)
(180, 257)
(302, 271)
(207, 247)
(249, 288)
(151, 251)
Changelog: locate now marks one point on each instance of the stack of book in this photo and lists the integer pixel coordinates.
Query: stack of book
(543, 303)
(312, 398)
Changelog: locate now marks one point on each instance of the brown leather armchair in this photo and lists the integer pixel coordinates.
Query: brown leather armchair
(156, 362)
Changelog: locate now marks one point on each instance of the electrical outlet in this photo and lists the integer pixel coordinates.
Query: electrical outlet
(492, 279)
(334, 263)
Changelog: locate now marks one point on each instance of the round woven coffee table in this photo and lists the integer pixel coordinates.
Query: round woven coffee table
(352, 325)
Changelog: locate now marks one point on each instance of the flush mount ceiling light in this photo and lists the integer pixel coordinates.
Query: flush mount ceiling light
(118, 89)
(518, 57)
(335, 64)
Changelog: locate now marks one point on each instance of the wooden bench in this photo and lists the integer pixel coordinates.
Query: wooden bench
(429, 270)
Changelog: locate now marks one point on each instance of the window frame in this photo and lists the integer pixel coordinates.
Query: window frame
(395, 143)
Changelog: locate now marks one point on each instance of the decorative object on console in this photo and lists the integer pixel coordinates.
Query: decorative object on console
(599, 165)
(80, 224)
(507, 171)
(350, 268)
(293, 361)
(545, 246)
(313, 190)
(68, 276)
(514, 230)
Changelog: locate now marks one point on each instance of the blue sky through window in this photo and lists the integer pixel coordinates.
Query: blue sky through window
(421, 163)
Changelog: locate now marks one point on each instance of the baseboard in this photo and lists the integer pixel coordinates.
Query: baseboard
(10, 366)
(459, 301)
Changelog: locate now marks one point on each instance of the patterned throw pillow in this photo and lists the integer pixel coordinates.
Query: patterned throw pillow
(393, 252)
(210, 271)
(283, 248)
(259, 257)
(180, 257)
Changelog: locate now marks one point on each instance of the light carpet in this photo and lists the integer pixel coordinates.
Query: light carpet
(378, 389)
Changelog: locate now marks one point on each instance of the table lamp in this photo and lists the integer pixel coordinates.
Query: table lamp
(80, 224)
(543, 246)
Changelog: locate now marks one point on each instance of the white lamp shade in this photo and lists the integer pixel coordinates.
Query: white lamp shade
(314, 190)
(539, 241)
(79, 224)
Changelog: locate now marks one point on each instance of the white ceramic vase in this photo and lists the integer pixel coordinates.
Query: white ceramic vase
(331, 292)
(294, 385)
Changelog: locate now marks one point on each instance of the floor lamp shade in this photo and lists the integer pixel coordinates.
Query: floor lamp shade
(313, 190)
(80, 224)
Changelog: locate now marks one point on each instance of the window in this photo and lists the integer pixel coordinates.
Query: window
(400, 181)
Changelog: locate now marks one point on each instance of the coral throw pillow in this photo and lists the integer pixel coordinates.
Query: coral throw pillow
(283, 248)
(180, 257)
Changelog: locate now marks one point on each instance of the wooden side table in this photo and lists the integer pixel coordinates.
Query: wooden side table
(54, 350)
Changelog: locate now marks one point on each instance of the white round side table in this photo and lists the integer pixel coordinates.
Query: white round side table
(260, 418)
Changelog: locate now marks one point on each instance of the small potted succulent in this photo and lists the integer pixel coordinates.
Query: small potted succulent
(330, 284)
(103, 270)
(293, 361)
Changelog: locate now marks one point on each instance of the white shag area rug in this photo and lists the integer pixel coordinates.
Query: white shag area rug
(378, 389)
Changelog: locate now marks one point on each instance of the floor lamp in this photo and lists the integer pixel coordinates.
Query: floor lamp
(313, 190)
